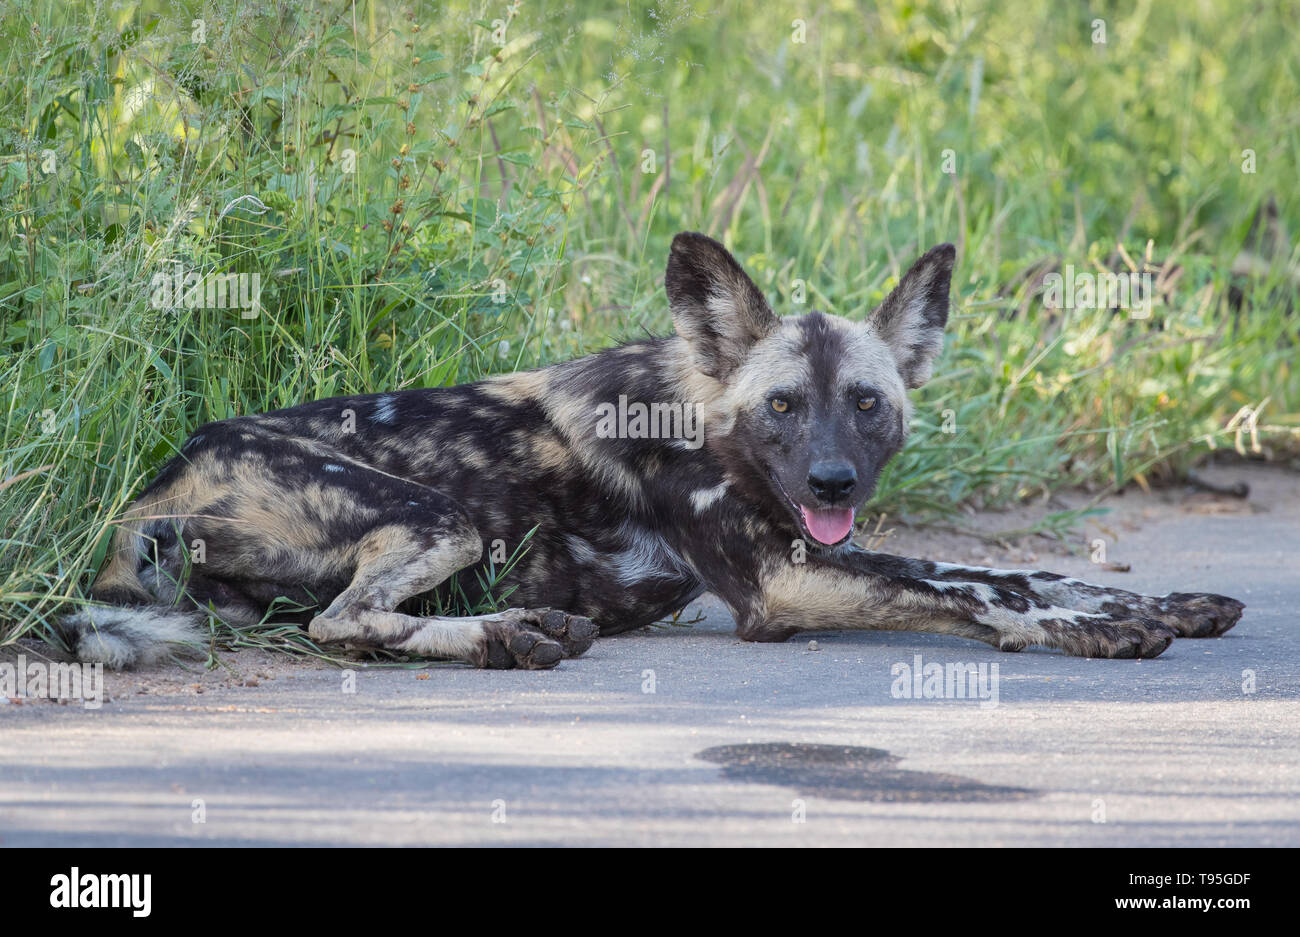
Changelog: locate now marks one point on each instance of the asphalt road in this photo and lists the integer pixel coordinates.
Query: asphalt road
(1181, 750)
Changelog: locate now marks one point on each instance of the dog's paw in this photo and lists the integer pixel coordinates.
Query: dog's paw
(1117, 637)
(574, 632)
(1201, 614)
(508, 644)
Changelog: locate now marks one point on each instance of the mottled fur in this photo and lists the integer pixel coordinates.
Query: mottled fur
(360, 508)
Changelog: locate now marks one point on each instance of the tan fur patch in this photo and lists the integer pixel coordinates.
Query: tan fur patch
(517, 388)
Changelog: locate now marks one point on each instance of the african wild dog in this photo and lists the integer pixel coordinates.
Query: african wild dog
(358, 507)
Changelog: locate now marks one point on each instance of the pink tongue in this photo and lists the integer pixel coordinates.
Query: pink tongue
(829, 525)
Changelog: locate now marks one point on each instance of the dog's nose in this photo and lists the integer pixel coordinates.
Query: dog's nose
(831, 481)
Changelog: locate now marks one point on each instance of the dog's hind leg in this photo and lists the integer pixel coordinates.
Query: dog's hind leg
(283, 516)
(1189, 614)
(398, 561)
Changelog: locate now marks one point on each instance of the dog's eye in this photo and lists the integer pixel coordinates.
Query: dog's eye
(866, 403)
(780, 404)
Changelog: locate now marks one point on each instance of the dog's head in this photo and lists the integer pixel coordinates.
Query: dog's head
(812, 406)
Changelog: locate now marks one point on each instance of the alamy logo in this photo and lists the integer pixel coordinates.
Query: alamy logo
(920, 680)
(47, 680)
(179, 289)
(76, 890)
(638, 420)
(1087, 290)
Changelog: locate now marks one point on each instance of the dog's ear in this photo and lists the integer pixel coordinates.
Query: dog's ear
(912, 317)
(716, 307)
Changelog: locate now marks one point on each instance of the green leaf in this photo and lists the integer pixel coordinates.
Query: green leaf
(162, 368)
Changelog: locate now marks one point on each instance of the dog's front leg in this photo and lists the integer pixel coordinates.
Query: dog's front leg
(836, 591)
(1189, 614)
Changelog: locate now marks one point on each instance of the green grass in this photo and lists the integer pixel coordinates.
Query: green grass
(427, 206)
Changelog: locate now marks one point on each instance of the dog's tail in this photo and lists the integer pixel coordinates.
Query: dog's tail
(140, 623)
(129, 636)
